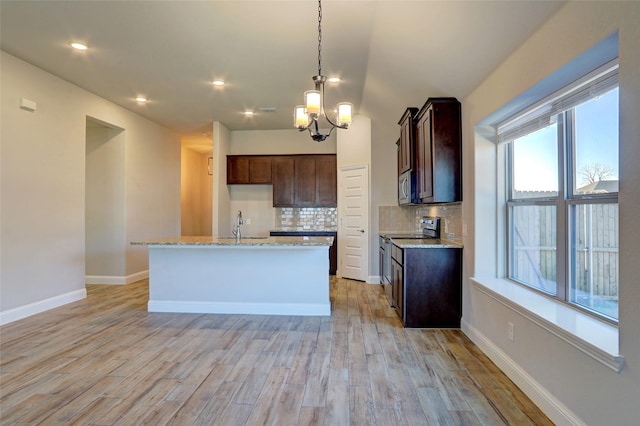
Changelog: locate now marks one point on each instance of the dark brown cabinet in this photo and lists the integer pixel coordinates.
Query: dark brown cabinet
(305, 181)
(248, 169)
(298, 180)
(397, 281)
(326, 181)
(333, 250)
(282, 173)
(406, 144)
(438, 151)
(427, 283)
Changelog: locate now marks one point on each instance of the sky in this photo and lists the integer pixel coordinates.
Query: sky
(536, 156)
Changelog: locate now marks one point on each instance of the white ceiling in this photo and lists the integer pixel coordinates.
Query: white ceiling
(388, 53)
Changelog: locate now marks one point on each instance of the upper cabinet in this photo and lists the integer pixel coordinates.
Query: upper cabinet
(406, 144)
(249, 169)
(326, 181)
(305, 180)
(438, 151)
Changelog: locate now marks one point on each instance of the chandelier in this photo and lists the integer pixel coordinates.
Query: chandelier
(307, 116)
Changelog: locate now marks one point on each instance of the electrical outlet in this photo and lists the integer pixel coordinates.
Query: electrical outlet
(464, 229)
(511, 330)
(247, 221)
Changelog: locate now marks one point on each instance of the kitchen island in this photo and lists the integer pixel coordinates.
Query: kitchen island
(258, 275)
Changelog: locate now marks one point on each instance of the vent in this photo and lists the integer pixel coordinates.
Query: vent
(267, 109)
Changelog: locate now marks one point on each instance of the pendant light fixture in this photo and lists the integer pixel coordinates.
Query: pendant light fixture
(307, 116)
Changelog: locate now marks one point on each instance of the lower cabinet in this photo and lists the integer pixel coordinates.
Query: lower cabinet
(333, 250)
(397, 282)
(427, 286)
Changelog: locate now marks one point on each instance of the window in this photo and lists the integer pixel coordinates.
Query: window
(562, 194)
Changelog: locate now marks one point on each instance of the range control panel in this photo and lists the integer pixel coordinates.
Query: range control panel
(430, 226)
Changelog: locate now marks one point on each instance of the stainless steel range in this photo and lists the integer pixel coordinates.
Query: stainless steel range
(430, 229)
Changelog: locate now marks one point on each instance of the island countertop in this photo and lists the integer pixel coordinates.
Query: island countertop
(244, 241)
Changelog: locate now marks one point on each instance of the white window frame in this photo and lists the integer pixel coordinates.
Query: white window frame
(557, 107)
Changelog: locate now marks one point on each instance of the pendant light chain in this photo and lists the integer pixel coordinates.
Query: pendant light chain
(306, 116)
(319, 37)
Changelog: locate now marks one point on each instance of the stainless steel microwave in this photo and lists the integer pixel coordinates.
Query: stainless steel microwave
(407, 188)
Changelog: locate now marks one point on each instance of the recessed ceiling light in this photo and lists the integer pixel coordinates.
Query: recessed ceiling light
(218, 83)
(141, 99)
(334, 80)
(248, 113)
(79, 46)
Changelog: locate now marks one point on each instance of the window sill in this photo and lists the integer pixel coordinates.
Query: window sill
(595, 338)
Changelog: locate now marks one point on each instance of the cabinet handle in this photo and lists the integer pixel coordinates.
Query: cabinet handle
(361, 230)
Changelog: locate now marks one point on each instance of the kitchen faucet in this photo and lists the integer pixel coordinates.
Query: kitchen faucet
(239, 222)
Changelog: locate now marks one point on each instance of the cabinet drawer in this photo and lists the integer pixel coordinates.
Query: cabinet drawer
(396, 254)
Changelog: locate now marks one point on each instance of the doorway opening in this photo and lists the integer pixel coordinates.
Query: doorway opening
(196, 186)
(105, 224)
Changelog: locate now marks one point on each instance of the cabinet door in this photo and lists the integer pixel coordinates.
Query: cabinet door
(326, 181)
(405, 146)
(397, 289)
(283, 181)
(260, 170)
(237, 170)
(446, 151)
(424, 173)
(305, 181)
(406, 143)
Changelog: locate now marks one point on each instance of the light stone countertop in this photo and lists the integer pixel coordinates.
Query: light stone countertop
(424, 243)
(244, 241)
(301, 230)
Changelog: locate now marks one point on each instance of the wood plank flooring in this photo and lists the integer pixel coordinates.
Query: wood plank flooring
(106, 361)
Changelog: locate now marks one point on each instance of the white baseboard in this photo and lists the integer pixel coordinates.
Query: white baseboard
(545, 400)
(195, 307)
(116, 280)
(21, 312)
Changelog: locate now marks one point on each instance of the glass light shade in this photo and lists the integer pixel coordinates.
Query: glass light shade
(301, 119)
(312, 99)
(345, 114)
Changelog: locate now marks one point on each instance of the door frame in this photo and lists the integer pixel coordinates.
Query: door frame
(367, 218)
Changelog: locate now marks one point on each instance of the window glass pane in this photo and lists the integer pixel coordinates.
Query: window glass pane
(596, 145)
(533, 246)
(594, 257)
(535, 164)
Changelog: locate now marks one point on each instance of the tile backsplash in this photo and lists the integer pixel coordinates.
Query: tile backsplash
(311, 218)
(407, 219)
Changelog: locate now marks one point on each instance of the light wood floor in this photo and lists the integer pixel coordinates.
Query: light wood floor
(105, 360)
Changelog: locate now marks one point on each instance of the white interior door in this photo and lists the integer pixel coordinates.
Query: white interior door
(353, 219)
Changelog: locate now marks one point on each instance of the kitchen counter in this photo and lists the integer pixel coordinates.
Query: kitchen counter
(424, 243)
(415, 240)
(259, 275)
(244, 241)
(288, 232)
(298, 230)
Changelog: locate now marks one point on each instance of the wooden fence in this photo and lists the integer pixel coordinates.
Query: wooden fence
(594, 261)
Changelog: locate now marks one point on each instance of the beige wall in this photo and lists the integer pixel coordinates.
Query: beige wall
(42, 178)
(196, 191)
